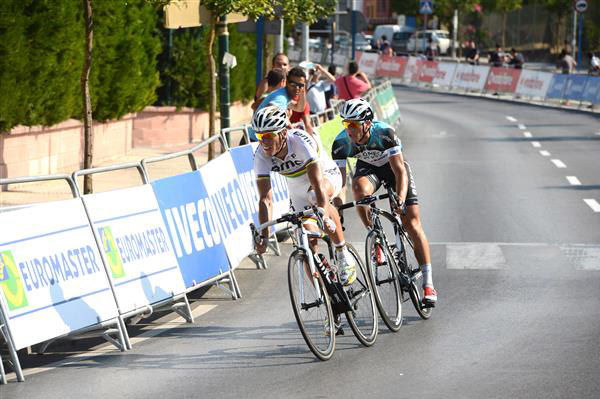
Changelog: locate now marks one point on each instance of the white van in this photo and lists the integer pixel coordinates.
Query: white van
(389, 30)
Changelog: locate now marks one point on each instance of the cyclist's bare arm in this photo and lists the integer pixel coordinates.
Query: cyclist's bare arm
(397, 165)
(265, 208)
(315, 176)
(341, 198)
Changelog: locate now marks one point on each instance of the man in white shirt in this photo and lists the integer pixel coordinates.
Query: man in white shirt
(315, 94)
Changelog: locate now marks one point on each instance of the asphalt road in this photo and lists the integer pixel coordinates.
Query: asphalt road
(516, 257)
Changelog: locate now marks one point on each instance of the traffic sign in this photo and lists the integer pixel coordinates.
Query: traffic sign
(580, 5)
(426, 7)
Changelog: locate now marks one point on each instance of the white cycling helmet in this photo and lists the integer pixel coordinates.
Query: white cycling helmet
(269, 119)
(357, 110)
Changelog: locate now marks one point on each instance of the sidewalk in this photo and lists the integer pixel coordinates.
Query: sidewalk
(36, 192)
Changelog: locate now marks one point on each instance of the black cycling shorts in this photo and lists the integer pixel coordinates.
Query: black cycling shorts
(378, 174)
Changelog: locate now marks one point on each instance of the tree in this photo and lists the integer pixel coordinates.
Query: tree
(85, 91)
(219, 8)
(561, 8)
(504, 7)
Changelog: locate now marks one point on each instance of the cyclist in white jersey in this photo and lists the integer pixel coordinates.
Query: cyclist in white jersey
(312, 178)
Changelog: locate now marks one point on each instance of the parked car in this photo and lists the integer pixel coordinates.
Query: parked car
(419, 40)
(400, 41)
(344, 40)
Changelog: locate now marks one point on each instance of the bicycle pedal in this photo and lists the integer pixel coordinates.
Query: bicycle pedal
(428, 304)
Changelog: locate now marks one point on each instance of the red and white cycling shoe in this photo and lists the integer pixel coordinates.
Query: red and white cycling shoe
(429, 295)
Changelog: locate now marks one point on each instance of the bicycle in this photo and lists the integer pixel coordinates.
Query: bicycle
(317, 296)
(391, 274)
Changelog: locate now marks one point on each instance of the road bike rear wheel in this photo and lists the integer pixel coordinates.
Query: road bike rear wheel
(384, 278)
(410, 267)
(312, 309)
(363, 316)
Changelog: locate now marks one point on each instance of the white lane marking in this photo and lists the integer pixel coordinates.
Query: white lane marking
(544, 153)
(508, 244)
(527, 134)
(536, 144)
(558, 163)
(475, 256)
(592, 204)
(522, 126)
(597, 133)
(511, 119)
(443, 133)
(109, 349)
(583, 257)
(573, 180)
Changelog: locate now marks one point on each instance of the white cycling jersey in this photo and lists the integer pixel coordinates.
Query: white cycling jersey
(303, 149)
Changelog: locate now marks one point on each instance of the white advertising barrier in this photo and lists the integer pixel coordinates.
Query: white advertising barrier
(340, 59)
(368, 63)
(533, 83)
(470, 77)
(234, 204)
(137, 250)
(445, 74)
(53, 279)
(294, 55)
(412, 70)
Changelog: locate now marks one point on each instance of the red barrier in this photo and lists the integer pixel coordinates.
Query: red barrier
(427, 71)
(502, 80)
(391, 67)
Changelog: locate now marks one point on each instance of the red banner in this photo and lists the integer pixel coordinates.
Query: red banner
(502, 80)
(427, 72)
(391, 67)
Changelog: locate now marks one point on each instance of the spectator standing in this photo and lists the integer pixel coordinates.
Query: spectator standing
(315, 93)
(516, 59)
(594, 64)
(275, 80)
(431, 52)
(290, 40)
(353, 85)
(331, 91)
(384, 43)
(472, 53)
(566, 63)
(280, 61)
(496, 58)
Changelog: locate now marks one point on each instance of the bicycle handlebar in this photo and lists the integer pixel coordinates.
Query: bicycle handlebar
(364, 201)
(288, 217)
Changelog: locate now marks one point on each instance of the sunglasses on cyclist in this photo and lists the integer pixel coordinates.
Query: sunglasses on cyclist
(296, 85)
(267, 135)
(352, 124)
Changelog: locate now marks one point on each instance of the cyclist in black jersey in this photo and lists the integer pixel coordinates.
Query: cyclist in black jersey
(379, 154)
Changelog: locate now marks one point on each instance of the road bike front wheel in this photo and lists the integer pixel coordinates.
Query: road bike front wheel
(312, 307)
(363, 316)
(384, 278)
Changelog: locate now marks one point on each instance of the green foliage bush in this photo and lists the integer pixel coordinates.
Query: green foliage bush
(184, 67)
(41, 58)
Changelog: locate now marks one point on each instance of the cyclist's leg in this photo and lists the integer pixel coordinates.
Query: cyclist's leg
(412, 223)
(364, 183)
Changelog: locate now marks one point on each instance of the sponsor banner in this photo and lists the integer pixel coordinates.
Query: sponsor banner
(315, 56)
(386, 107)
(470, 77)
(533, 83)
(444, 74)
(357, 56)
(233, 204)
(427, 71)
(328, 131)
(574, 87)
(391, 67)
(138, 254)
(52, 279)
(243, 160)
(368, 63)
(195, 222)
(557, 86)
(591, 94)
(502, 80)
(411, 72)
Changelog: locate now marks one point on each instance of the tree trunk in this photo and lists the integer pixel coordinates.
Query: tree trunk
(212, 70)
(87, 102)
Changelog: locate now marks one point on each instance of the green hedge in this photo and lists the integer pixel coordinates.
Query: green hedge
(184, 67)
(41, 57)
